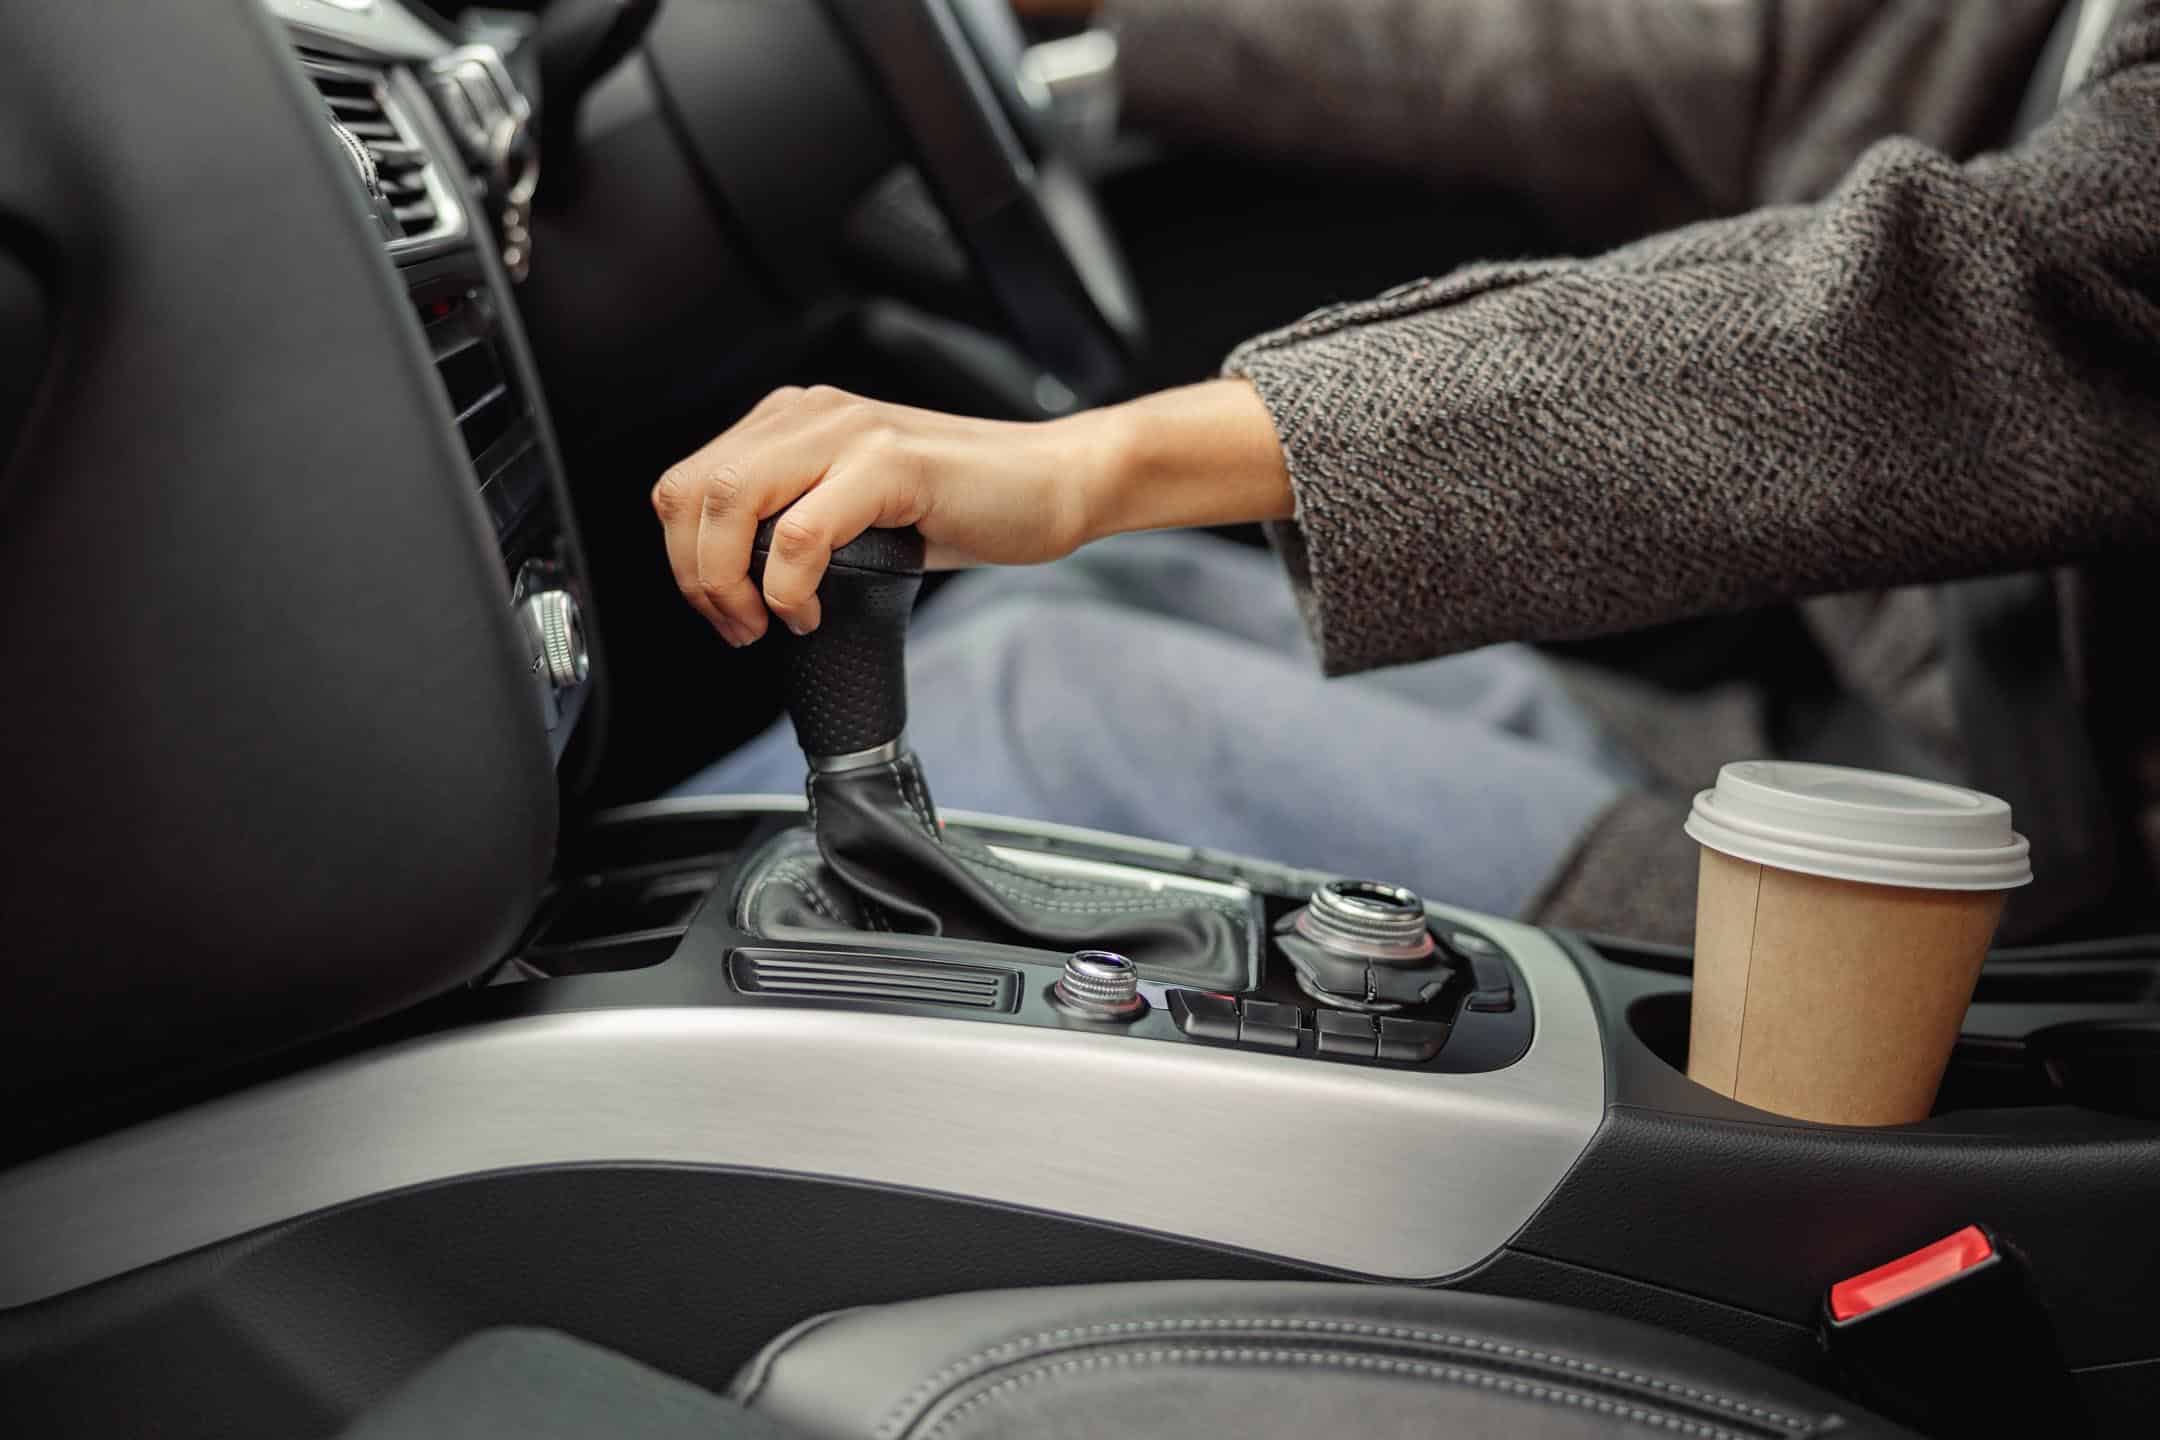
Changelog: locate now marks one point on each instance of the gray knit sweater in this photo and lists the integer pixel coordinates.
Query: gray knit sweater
(1940, 368)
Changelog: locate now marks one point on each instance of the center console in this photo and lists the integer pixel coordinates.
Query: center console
(1251, 1116)
(653, 1098)
(1220, 1064)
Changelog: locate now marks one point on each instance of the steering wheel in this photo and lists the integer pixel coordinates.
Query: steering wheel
(950, 71)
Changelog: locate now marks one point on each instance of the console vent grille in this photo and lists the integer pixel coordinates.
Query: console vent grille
(421, 210)
(882, 979)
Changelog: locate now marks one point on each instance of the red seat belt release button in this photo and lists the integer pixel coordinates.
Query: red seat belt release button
(1909, 1275)
(1953, 1339)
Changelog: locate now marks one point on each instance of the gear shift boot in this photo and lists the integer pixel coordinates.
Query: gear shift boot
(883, 862)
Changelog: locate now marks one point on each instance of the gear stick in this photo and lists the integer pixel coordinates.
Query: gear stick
(845, 683)
(884, 860)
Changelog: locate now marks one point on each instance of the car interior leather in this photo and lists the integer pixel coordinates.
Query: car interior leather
(882, 863)
(1161, 1360)
(1262, 1360)
(525, 1384)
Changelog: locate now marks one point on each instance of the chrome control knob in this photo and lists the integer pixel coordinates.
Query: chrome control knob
(552, 616)
(1369, 921)
(1362, 945)
(1098, 985)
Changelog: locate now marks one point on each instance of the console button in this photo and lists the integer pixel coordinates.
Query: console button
(1492, 999)
(1414, 1041)
(1270, 1026)
(1351, 1036)
(1204, 1015)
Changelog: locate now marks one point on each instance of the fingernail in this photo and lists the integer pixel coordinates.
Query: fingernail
(796, 626)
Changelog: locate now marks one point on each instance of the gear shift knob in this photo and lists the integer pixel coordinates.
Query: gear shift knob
(845, 683)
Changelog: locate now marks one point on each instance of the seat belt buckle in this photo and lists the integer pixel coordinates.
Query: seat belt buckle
(1952, 1339)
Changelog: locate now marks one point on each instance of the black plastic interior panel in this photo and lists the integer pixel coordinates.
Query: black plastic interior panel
(1751, 1210)
(689, 1270)
(1081, 326)
(780, 121)
(272, 764)
(642, 304)
(26, 332)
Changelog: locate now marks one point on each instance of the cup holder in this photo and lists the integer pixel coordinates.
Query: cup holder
(2102, 1064)
(2107, 1064)
(1661, 1023)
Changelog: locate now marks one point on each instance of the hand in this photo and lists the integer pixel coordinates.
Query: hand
(981, 491)
(978, 490)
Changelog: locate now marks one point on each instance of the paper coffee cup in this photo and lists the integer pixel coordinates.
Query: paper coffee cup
(1840, 926)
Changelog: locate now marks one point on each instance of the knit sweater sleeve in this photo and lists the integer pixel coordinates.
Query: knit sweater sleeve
(1940, 370)
(1612, 117)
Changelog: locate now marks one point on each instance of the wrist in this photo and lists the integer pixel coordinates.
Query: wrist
(1107, 449)
(1203, 455)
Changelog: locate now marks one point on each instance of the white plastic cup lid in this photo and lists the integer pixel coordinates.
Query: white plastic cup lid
(1861, 825)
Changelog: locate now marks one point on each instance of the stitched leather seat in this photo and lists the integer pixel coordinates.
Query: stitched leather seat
(1174, 1360)
(1140, 1362)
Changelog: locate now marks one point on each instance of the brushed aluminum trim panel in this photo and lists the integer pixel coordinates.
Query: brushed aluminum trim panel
(683, 807)
(1395, 1174)
(1070, 867)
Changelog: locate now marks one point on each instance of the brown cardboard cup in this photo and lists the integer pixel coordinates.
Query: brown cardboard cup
(1841, 922)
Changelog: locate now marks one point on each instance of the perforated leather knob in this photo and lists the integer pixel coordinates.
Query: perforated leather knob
(845, 683)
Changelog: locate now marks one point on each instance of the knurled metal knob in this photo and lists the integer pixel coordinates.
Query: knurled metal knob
(1099, 985)
(1383, 924)
(555, 619)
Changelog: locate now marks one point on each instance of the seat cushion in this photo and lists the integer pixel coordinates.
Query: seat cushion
(538, 1385)
(1175, 1360)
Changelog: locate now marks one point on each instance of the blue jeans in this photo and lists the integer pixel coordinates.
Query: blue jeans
(1162, 685)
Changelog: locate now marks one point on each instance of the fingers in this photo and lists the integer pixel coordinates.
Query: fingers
(803, 541)
(827, 454)
(675, 500)
(708, 507)
(727, 520)
(708, 512)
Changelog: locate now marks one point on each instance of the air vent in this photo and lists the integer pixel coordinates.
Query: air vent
(879, 979)
(487, 403)
(472, 374)
(423, 215)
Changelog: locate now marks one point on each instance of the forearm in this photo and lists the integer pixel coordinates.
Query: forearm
(1198, 456)
(1614, 117)
(1940, 371)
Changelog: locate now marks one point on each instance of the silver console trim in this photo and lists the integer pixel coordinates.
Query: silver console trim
(869, 759)
(685, 807)
(1393, 1174)
(1072, 867)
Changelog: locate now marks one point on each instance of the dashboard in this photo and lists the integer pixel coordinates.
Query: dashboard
(442, 144)
(296, 616)
(292, 607)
